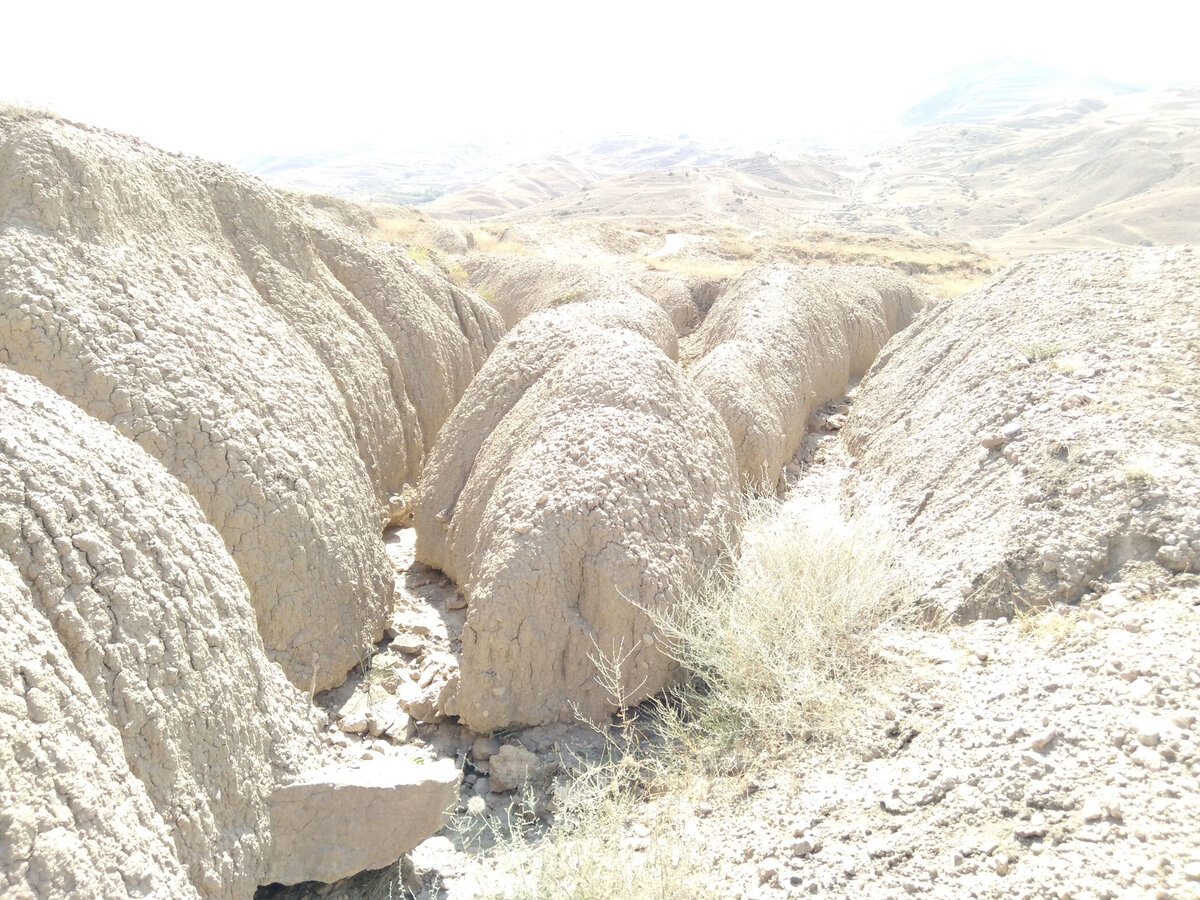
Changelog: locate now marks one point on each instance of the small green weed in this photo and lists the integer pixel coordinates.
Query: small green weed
(1040, 351)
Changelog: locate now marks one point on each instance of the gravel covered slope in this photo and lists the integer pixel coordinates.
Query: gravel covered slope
(1058, 757)
(1040, 434)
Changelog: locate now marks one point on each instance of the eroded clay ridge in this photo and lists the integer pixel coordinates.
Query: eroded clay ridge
(523, 285)
(290, 374)
(142, 727)
(1041, 436)
(581, 484)
(781, 340)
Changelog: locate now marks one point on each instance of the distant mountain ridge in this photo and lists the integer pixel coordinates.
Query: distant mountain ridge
(990, 92)
(1010, 154)
(998, 89)
(497, 178)
(1069, 175)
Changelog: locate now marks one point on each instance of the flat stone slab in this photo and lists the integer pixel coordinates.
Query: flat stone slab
(344, 819)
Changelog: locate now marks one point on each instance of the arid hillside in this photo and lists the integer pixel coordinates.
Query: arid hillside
(645, 520)
(1096, 174)
(1088, 172)
(214, 400)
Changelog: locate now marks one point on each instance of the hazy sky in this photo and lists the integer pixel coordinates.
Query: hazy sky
(229, 79)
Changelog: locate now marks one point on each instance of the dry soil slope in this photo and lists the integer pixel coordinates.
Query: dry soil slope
(757, 193)
(1122, 173)
(1043, 434)
(522, 285)
(288, 373)
(523, 186)
(142, 727)
(581, 483)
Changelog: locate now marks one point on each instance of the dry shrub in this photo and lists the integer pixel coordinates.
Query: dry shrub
(785, 646)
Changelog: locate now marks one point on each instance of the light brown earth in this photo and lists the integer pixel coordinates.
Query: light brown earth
(582, 484)
(1043, 429)
(1042, 753)
(1048, 755)
(1039, 437)
(214, 399)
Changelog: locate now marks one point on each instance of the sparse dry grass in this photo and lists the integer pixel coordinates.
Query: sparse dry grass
(491, 242)
(403, 225)
(22, 111)
(786, 647)
(703, 269)
(591, 853)
(954, 285)
(948, 269)
(1046, 626)
(737, 249)
(398, 231)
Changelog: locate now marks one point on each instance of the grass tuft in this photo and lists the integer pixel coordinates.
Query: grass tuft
(784, 648)
(1040, 351)
(1069, 364)
(1142, 469)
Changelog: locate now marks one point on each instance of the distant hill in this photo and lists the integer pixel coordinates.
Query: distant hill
(633, 153)
(1079, 174)
(1001, 89)
(1011, 155)
(1125, 173)
(523, 186)
(393, 174)
(485, 179)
